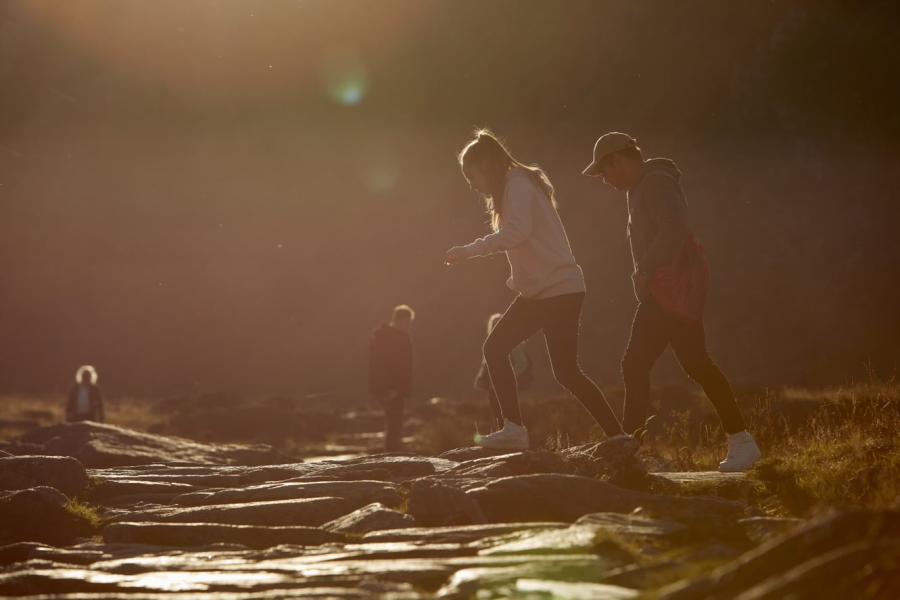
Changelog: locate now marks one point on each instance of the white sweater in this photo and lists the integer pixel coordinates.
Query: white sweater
(540, 258)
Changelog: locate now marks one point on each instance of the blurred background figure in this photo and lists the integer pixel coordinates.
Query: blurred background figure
(390, 372)
(85, 402)
(522, 366)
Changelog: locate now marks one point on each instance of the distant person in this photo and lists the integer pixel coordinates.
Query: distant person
(548, 282)
(671, 279)
(522, 367)
(85, 402)
(390, 372)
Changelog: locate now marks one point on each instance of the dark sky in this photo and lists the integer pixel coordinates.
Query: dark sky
(228, 195)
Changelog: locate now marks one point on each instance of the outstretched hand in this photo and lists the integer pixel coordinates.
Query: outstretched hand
(454, 255)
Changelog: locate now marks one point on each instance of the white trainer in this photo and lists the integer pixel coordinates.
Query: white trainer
(742, 453)
(511, 437)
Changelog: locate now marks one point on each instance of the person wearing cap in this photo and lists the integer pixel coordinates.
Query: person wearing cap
(670, 278)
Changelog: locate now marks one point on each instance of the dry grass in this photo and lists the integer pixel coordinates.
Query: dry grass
(831, 448)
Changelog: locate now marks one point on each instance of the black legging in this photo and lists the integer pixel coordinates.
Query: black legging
(559, 317)
(652, 331)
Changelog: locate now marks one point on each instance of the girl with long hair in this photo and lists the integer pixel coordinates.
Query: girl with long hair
(549, 283)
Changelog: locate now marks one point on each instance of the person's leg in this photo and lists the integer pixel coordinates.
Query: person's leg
(393, 421)
(519, 321)
(497, 423)
(561, 321)
(649, 338)
(689, 343)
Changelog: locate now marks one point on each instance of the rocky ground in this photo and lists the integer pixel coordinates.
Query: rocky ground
(98, 511)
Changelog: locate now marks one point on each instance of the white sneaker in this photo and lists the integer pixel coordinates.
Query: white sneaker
(511, 437)
(742, 453)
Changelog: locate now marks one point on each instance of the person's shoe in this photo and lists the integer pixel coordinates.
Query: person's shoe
(742, 453)
(617, 448)
(511, 437)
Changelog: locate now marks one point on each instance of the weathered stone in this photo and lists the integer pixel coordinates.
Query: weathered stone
(574, 591)
(632, 525)
(862, 570)
(552, 497)
(399, 468)
(498, 581)
(374, 517)
(760, 529)
(61, 472)
(198, 534)
(17, 552)
(214, 476)
(808, 542)
(434, 504)
(576, 539)
(103, 445)
(306, 511)
(105, 490)
(470, 453)
(709, 483)
(362, 492)
(516, 463)
(460, 534)
(39, 514)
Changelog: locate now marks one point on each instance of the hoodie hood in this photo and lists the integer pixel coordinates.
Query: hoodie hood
(665, 165)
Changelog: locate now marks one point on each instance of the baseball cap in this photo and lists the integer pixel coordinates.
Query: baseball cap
(606, 145)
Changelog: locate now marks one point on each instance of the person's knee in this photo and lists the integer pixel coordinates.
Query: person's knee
(700, 369)
(494, 350)
(568, 375)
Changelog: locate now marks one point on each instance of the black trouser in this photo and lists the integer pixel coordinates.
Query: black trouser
(652, 331)
(559, 317)
(496, 411)
(393, 420)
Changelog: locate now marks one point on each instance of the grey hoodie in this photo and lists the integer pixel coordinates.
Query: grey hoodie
(657, 216)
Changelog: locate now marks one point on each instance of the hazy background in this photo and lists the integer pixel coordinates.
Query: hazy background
(203, 196)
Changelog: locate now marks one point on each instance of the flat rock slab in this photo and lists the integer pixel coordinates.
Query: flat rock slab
(308, 512)
(363, 492)
(553, 497)
(39, 514)
(708, 483)
(199, 534)
(515, 463)
(374, 517)
(579, 539)
(574, 591)
(61, 472)
(705, 477)
(499, 581)
(633, 526)
(463, 534)
(103, 445)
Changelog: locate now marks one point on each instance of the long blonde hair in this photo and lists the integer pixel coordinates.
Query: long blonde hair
(489, 154)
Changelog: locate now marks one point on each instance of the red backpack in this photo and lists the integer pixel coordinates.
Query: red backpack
(681, 287)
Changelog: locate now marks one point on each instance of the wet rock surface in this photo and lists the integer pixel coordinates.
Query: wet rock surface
(221, 522)
(63, 473)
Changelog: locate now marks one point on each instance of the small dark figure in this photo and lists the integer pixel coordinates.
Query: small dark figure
(85, 402)
(522, 367)
(390, 372)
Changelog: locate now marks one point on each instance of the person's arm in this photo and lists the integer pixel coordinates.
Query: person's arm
(515, 224)
(664, 203)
